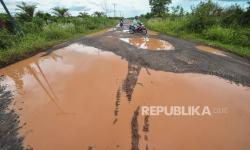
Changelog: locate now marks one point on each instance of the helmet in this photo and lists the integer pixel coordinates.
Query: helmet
(136, 17)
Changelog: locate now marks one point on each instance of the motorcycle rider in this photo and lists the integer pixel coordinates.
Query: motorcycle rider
(136, 22)
(137, 26)
(121, 22)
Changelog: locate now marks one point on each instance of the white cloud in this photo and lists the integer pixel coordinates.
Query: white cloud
(126, 8)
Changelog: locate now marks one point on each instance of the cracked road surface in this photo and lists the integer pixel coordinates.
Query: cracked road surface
(89, 94)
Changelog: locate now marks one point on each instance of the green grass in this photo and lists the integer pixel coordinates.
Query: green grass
(235, 40)
(41, 39)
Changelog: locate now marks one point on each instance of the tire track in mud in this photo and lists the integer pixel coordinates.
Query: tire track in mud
(146, 130)
(117, 104)
(135, 137)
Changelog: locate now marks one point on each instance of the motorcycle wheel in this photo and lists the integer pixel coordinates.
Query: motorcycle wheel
(131, 31)
(144, 32)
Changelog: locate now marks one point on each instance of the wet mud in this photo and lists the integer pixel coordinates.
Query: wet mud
(152, 32)
(81, 97)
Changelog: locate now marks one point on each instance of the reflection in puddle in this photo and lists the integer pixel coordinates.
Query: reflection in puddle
(131, 80)
(125, 30)
(80, 97)
(146, 130)
(149, 43)
(210, 50)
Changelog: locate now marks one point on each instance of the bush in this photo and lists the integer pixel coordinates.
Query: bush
(236, 40)
(6, 39)
(227, 35)
(167, 25)
(30, 27)
(205, 15)
(57, 31)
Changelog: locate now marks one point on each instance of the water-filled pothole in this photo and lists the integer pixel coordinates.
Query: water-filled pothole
(80, 97)
(152, 32)
(210, 50)
(148, 43)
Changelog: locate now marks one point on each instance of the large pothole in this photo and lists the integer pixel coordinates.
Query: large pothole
(149, 43)
(80, 97)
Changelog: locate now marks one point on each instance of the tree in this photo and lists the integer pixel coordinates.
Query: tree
(26, 11)
(10, 22)
(246, 16)
(233, 15)
(159, 7)
(43, 15)
(61, 11)
(98, 14)
(3, 20)
(177, 11)
(148, 15)
(204, 15)
(83, 14)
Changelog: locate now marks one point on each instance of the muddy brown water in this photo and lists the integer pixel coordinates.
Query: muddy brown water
(152, 32)
(148, 43)
(210, 50)
(80, 97)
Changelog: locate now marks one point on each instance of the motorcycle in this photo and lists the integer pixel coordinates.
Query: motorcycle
(121, 24)
(140, 29)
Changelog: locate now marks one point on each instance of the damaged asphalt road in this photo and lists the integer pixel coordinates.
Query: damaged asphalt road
(184, 59)
(104, 79)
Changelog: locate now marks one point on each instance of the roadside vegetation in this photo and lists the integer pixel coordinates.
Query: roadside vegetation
(226, 28)
(34, 31)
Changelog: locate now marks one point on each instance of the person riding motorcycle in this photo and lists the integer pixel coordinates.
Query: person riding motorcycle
(137, 27)
(121, 22)
(136, 22)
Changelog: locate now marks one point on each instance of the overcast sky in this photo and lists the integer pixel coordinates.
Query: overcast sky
(125, 8)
